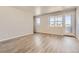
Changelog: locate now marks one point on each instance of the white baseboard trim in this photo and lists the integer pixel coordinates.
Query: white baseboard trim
(15, 37)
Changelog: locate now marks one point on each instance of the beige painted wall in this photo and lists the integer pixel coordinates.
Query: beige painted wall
(15, 22)
(77, 22)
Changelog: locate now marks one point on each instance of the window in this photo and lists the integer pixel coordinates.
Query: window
(68, 25)
(68, 20)
(37, 20)
(51, 20)
(60, 21)
(55, 21)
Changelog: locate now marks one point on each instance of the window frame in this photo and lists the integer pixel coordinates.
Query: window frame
(55, 21)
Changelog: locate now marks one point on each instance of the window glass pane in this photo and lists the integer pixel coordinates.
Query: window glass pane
(51, 21)
(38, 20)
(60, 18)
(56, 23)
(59, 23)
(68, 19)
(51, 18)
(56, 19)
(68, 25)
(51, 25)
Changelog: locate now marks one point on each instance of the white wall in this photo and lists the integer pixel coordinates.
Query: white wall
(77, 22)
(15, 22)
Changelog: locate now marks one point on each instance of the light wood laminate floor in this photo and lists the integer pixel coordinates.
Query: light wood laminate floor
(40, 43)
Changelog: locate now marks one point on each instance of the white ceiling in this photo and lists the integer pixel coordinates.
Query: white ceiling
(37, 10)
(24, 8)
(48, 9)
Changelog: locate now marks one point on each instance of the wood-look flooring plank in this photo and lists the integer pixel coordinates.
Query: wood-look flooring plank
(40, 43)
